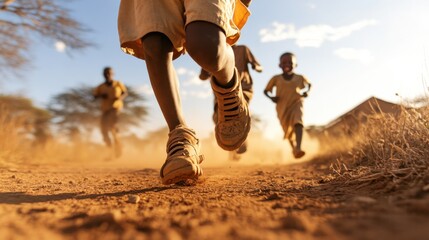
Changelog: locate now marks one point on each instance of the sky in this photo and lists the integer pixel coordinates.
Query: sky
(349, 50)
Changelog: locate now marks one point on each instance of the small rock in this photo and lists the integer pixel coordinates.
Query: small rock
(426, 188)
(133, 199)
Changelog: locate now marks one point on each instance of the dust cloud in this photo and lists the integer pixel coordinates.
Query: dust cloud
(150, 152)
(260, 151)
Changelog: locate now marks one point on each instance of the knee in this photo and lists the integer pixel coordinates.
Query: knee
(206, 46)
(156, 45)
(207, 55)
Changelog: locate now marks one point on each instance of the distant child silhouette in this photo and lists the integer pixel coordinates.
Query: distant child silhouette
(112, 93)
(291, 88)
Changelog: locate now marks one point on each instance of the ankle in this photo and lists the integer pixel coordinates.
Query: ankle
(228, 87)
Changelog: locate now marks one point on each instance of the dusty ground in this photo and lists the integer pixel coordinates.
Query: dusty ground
(235, 202)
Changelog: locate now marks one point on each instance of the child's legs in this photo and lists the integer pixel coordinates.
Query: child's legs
(158, 51)
(298, 135)
(104, 127)
(113, 120)
(206, 44)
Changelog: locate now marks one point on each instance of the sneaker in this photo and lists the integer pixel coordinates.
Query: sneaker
(183, 156)
(233, 118)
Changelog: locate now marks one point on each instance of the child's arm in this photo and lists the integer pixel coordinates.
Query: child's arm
(269, 90)
(257, 68)
(273, 98)
(253, 61)
(97, 94)
(305, 93)
(305, 85)
(204, 75)
(124, 93)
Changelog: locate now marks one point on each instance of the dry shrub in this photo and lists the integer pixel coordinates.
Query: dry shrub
(12, 138)
(18, 145)
(390, 152)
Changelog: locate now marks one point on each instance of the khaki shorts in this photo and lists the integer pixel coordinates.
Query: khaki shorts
(170, 17)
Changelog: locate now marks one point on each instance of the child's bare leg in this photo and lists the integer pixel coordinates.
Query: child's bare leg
(206, 44)
(105, 130)
(291, 143)
(117, 144)
(183, 147)
(298, 135)
(297, 152)
(158, 52)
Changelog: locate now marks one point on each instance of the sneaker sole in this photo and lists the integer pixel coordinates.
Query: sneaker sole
(237, 144)
(182, 174)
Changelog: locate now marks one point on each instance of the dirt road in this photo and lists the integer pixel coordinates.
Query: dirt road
(236, 202)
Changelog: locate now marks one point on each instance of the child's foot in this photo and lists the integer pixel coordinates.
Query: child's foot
(183, 156)
(234, 156)
(298, 153)
(233, 118)
(242, 149)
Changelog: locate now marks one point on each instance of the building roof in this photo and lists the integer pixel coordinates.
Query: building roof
(370, 106)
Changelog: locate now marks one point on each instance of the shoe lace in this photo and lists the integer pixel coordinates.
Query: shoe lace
(181, 141)
(231, 105)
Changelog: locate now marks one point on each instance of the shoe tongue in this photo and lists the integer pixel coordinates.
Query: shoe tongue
(181, 129)
(180, 135)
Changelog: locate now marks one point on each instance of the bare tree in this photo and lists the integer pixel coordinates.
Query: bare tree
(22, 20)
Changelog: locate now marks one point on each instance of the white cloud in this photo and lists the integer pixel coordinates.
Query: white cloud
(60, 46)
(190, 78)
(195, 81)
(361, 55)
(182, 71)
(145, 89)
(312, 35)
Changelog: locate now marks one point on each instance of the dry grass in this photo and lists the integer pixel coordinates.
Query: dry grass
(390, 153)
(18, 146)
(11, 135)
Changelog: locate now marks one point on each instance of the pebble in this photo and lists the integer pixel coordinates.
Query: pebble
(133, 199)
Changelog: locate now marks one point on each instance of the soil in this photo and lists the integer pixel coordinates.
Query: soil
(116, 201)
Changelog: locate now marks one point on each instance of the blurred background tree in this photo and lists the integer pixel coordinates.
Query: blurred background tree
(76, 111)
(28, 119)
(21, 21)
